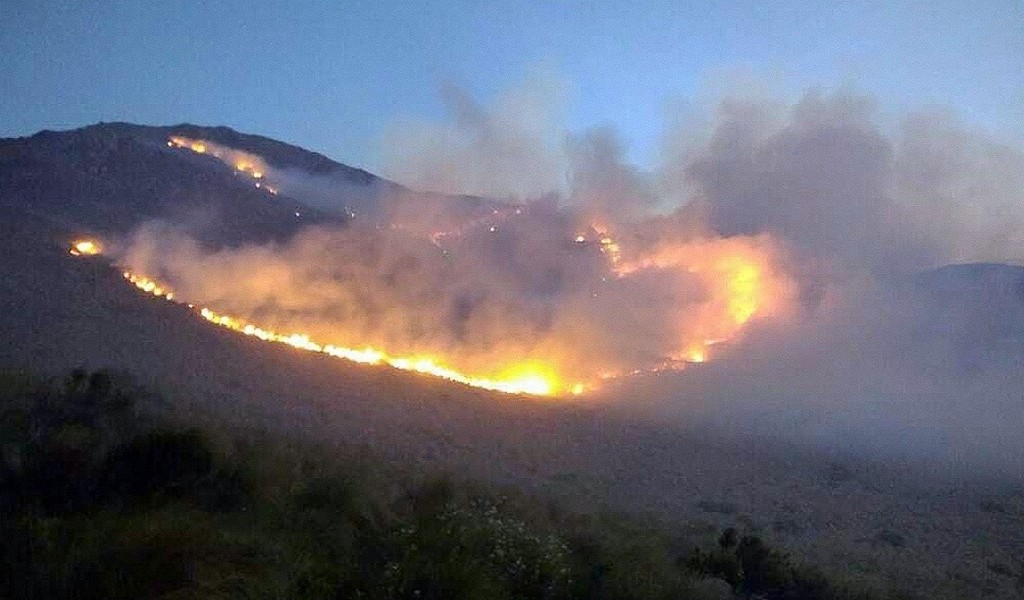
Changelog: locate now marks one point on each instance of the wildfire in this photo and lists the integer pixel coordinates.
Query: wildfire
(609, 247)
(739, 274)
(240, 161)
(85, 248)
(736, 279)
(528, 378)
(149, 286)
(527, 381)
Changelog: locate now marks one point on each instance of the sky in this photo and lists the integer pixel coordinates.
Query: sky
(334, 76)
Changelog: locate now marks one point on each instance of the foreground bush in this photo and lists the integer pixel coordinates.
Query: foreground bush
(102, 497)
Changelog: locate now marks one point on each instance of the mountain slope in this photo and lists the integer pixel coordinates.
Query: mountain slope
(58, 312)
(108, 179)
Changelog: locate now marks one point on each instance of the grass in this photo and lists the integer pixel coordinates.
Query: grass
(104, 495)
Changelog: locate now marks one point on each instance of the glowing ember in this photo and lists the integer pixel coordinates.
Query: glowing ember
(608, 245)
(85, 248)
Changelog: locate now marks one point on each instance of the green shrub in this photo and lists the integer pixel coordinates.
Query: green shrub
(447, 548)
(98, 502)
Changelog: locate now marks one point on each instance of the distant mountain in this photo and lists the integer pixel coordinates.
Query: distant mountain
(109, 178)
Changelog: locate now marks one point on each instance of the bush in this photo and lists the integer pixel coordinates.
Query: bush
(472, 548)
(166, 462)
(99, 503)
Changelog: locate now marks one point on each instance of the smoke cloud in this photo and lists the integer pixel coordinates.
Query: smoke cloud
(779, 263)
(830, 180)
(512, 149)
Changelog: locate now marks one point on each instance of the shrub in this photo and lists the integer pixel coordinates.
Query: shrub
(162, 461)
(99, 504)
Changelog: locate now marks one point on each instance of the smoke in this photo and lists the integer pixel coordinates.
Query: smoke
(334, 193)
(927, 370)
(787, 248)
(510, 150)
(885, 355)
(828, 178)
(533, 290)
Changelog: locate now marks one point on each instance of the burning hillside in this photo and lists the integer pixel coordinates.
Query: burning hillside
(241, 161)
(531, 381)
(529, 297)
(619, 272)
(549, 325)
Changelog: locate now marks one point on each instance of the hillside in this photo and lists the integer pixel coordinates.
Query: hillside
(109, 178)
(939, 538)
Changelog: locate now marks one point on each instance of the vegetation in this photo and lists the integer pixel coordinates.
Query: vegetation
(104, 496)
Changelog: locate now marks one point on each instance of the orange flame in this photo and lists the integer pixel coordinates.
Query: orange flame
(527, 379)
(740, 278)
(242, 162)
(85, 248)
(739, 275)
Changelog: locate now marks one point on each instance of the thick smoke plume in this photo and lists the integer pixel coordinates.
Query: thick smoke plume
(791, 249)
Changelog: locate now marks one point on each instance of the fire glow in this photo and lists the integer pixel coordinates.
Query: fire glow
(84, 248)
(580, 303)
(242, 162)
(529, 379)
(737, 274)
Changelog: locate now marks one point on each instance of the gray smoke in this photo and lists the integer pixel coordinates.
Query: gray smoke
(867, 349)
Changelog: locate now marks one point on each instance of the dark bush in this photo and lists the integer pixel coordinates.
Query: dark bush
(162, 461)
(728, 539)
(96, 503)
(763, 569)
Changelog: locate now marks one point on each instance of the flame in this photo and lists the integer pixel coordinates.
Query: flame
(696, 355)
(740, 275)
(522, 379)
(242, 162)
(739, 278)
(85, 248)
(526, 379)
(609, 247)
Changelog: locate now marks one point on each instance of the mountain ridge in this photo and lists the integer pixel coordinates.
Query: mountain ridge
(276, 152)
(107, 179)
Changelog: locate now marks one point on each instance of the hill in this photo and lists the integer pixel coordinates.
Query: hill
(937, 538)
(108, 178)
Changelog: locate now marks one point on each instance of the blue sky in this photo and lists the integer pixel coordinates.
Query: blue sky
(332, 76)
